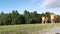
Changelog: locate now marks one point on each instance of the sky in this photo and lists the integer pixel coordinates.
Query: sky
(40, 6)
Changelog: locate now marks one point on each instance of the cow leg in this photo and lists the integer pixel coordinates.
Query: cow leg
(52, 21)
(45, 21)
(42, 22)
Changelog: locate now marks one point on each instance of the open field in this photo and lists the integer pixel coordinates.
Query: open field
(25, 29)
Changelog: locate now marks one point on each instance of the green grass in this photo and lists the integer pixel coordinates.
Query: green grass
(24, 29)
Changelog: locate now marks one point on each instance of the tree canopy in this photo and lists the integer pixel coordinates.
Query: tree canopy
(25, 18)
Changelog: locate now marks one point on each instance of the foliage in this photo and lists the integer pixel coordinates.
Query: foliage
(26, 18)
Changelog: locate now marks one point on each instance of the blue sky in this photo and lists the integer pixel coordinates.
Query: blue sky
(30, 5)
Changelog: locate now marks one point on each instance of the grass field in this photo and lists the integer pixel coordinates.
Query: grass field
(24, 29)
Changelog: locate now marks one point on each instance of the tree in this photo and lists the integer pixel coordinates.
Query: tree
(35, 17)
(14, 15)
(47, 14)
(27, 16)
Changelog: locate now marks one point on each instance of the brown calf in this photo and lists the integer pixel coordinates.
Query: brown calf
(44, 19)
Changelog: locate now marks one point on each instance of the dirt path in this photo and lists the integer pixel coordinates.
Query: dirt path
(54, 30)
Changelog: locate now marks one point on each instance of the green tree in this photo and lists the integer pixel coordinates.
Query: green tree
(27, 16)
(14, 15)
(35, 17)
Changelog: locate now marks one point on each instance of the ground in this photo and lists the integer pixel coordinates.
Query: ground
(54, 30)
(30, 29)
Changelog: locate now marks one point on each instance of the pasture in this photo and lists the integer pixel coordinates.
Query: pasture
(25, 28)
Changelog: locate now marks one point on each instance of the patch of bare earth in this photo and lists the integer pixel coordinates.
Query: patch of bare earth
(54, 30)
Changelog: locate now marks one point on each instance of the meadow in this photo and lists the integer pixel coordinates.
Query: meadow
(25, 28)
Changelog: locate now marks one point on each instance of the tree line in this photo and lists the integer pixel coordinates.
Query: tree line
(26, 18)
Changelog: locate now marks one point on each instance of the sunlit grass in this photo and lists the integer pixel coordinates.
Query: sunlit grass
(24, 29)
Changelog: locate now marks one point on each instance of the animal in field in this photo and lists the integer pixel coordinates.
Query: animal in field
(44, 19)
(53, 18)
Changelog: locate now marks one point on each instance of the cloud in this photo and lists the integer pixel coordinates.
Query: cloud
(50, 4)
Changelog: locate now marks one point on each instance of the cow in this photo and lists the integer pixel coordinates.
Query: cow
(44, 19)
(53, 17)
